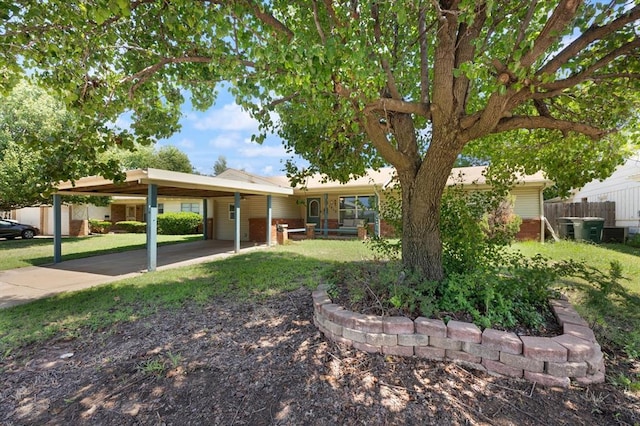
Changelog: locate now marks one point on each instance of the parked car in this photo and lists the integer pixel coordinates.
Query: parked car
(11, 229)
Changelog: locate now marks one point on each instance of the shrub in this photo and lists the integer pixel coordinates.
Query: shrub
(500, 225)
(483, 280)
(510, 291)
(473, 225)
(182, 223)
(97, 226)
(132, 226)
(634, 240)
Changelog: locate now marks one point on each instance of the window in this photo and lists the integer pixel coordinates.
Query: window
(232, 212)
(160, 208)
(189, 207)
(314, 208)
(357, 207)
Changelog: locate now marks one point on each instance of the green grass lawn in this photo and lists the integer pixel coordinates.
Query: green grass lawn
(39, 251)
(598, 256)
(256, 274)
(616, 319)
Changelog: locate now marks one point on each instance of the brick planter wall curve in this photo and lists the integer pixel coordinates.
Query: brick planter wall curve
(549, 361)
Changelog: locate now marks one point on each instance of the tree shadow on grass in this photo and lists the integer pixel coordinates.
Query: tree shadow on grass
(621, 248)
(226, 359)
(612, 310)
(252, 275)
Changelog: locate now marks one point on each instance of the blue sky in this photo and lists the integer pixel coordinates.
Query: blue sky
(225, 129)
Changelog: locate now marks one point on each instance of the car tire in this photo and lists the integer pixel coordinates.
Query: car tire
(28, 234)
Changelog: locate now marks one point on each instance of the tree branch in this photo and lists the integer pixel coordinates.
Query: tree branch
(629, 75)
(267, 19)
(539, 122)
(444, 64)
(592, 34)
(562, 15)
(333, 19)
(316, 20)
(377, 31)
(465, 52)
(524, 25)
(378, 135)
(424, 56)
(279, 101)
(399, 106)
(587, 73)
(143, 75)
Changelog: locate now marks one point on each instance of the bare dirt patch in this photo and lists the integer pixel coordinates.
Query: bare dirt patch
(261, 363)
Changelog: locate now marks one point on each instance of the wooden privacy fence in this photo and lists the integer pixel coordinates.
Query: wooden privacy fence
(605, 210)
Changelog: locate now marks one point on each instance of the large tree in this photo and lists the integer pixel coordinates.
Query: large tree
(357, 83)
(37, 147)
(167, 157)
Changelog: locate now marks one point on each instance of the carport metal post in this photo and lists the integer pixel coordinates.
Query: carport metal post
(376, 216)
(269, 214)
(236, 237)
(326, 215)
(57, 228)
(205, 221)
(152, 227)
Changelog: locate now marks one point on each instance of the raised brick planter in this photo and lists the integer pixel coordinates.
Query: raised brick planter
(549, 361)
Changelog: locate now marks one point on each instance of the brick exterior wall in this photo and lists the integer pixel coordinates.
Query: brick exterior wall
(257, 227)
(549, 361)
(78, 228)
(529, 230)
(118, 213)
(386, 230)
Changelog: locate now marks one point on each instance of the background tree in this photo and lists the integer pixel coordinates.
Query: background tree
(220, 165)
(357, 84)
(37, 147)
(171, 158)
(147, 156)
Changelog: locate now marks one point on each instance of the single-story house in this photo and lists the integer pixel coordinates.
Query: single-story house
(333, 207)
(622, 187)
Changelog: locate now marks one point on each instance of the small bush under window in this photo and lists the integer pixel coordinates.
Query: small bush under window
(182, 223)
(132, 226)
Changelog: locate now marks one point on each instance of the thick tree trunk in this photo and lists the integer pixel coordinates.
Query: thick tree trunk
(422, 190)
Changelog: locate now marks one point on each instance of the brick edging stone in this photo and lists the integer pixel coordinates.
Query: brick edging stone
(549, 361)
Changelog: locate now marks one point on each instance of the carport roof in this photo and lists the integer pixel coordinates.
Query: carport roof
(169, 184)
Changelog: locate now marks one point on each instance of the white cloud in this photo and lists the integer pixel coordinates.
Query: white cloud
(230, 117)
(267, 171)
(186, 143)
(226, 141)
(242, 165)
(254, 150)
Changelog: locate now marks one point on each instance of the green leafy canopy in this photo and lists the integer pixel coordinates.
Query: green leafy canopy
(356, 84)
(38, 147)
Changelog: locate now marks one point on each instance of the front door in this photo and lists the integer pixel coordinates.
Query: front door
(313, 211)
(131, 213)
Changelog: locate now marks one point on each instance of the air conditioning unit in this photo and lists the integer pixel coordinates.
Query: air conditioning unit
(615, 234)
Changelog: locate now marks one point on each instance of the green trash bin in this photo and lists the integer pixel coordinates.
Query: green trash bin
(588, 229)
(565, 228)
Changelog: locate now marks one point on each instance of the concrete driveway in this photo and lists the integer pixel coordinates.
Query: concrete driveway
(23, 285)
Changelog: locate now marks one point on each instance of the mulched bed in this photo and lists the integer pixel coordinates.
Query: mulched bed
(261, 363)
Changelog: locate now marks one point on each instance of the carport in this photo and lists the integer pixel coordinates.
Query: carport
(151, 183)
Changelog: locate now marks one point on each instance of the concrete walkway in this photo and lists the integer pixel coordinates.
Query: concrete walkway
(23, 285)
